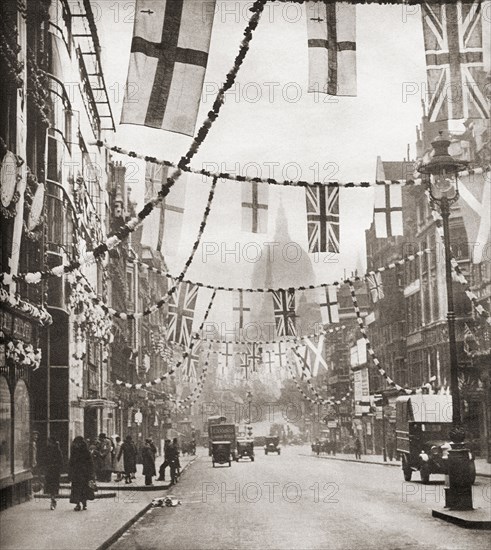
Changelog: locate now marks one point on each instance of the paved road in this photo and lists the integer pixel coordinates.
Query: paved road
(300, 502)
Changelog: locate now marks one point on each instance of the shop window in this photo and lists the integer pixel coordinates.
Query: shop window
(5, 416)
(22, 432)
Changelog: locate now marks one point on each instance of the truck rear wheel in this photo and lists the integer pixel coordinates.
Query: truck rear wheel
(425, 473)
(406, 469)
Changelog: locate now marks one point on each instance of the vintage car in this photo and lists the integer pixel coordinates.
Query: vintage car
(272, 445)
(423, 424)
(221, 452)
(245, 448)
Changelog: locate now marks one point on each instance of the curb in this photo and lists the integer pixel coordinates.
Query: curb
(128, 487)
(376, 463)
(117, 534)
(102, 495)
(462, 521)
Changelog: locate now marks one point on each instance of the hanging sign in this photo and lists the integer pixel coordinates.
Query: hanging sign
(8, 178)
(36, 211)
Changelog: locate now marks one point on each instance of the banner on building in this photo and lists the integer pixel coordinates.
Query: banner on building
(169, 54)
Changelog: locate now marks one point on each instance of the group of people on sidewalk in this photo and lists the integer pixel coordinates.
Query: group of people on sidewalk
(91, 461)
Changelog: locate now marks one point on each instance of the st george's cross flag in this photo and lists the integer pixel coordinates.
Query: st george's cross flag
(268, 361)
(169, 54)
(162, 229)
(388, 210)
(241, 309)
(375, 286)
(284, 312)
(328, 303)
(182, 304)
(322, 218)
(331, 31)
(254, 207)
(453, 37)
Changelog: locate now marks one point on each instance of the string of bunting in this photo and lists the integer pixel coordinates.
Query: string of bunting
(189, 400)
(455, 265)
(279, 341)
(130, 226)
(241, 178)
(371, 352)
(185, 355)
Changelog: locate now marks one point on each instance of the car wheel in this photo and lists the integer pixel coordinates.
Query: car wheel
(278, 453)
(213, 464)
(472, 472)
(229, 463)
(406, 469)
(265, 452)
(252, 459)
(425, 473)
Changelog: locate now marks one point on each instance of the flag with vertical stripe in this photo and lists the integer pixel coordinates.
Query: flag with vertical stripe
(331, 31)
(162, 229)
(375, 286)
(388, 210)
(453, 37)
(254, 207)
(328, 302)
(169, 54)
(241, 309)
(284, 312)
(182, 304)
(322, 218)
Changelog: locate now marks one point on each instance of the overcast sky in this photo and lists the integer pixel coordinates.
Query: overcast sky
(271, 119)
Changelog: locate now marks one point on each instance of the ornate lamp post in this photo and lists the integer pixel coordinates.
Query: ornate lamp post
(443, 171)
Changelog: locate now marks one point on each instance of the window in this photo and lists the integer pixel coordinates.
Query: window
(129, 286)
(21, 428)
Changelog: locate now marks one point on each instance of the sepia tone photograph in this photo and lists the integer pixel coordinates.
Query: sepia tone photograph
(245, 284)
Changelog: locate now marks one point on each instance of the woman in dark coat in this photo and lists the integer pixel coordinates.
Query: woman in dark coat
(148, 459)
(52, 470)
(128, 452)
(80, 473)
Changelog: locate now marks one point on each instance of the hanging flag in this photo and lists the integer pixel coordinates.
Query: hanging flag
(280, 355)
(471, 343)
(162, 230)
(322, 218)
(388, 210)
(241, 310)
(317, 351)
(375, 286)
(453, 38)
(182, 304)
(328, 302)
(254, 207)
(192, 362)
(475, 191)
(301, 356)
(267, 360)
(251, 357)
(169, 54)
(284, 312)
(331, 30)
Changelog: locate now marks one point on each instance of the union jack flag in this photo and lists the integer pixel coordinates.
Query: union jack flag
(322, 218)
(181, 313)
(251, 356)
(192, 361)
(375, 286)
(284, 312)
(454, 60)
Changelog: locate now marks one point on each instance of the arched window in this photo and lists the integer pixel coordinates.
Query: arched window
(22, 431)
(5, 416)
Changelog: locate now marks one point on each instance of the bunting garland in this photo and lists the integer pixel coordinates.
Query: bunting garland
(371, 352)
(185, 355)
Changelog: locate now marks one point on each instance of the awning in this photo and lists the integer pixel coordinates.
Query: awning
(96, 404)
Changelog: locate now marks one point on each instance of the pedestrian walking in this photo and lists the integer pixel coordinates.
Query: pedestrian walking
(128, 452)
(357, 448)
(81, 474)
(53, 464)
(104, 461)
(118, 463)
(166, 462)
(148, 459)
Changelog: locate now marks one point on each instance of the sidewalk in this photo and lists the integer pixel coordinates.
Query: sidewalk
(483, 468)
(33, 525)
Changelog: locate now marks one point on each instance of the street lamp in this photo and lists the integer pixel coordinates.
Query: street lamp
(443, 186)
